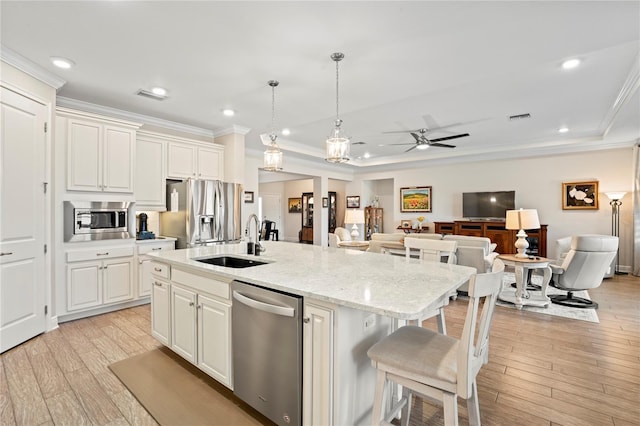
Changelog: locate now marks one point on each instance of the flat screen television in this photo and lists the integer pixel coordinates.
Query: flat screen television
(488, 205)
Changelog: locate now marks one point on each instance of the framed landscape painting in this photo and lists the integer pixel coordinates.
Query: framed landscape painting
(353, 201)
(580, 195)
(415, 199)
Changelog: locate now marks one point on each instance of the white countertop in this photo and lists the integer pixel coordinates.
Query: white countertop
(383, 284)
(156, 240)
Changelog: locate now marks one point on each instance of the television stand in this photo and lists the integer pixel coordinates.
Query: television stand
(495, 230)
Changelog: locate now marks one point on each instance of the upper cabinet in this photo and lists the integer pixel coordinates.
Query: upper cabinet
(194, 160)
(150, 191)
(100, 152)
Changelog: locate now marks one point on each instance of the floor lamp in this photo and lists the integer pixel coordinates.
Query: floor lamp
(615, 202)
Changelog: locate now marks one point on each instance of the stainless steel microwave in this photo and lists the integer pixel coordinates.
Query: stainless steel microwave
(90, 220)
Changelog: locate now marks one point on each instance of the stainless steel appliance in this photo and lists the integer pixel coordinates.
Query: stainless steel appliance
(97, 220)
(201, 212)
(267, 351)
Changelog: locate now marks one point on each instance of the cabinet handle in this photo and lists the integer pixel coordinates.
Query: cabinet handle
(157, 248)
(199, 306)
(191, 303)
(306, 320)
(7, 253)
(157, 269)
(103, 254)
(157, 283)
(140, 262)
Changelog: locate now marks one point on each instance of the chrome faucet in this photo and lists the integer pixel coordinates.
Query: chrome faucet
(257, 247)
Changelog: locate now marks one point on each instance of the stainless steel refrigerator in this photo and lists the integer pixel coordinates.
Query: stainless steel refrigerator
(201, 212)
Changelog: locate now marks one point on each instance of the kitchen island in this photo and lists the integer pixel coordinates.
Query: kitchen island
(351, 300)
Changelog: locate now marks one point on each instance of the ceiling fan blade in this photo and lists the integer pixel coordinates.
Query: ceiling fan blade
(413, 147)
(417, 137)
(446, 138)
(442, 145)
(402, 131)
(392, 144)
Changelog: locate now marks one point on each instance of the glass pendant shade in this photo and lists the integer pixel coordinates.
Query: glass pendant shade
(338, 145)
(273, 156)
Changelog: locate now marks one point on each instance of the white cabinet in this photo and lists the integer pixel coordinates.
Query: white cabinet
(213, 328)
(98, 277)
(191, 314)
(192, 160)
(100, 152)
(145, 268)
(149, 173)
(183, 322)
(161, 312)
(318, 365)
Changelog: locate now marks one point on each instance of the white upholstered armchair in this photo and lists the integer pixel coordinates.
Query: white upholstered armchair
(583, 267)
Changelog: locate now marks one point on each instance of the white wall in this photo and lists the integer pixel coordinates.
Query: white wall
(538, 184)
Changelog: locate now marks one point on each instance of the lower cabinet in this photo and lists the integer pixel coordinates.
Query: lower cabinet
(92, 283)
(191, 314)
(145, 279)
(317, 365)
(161, 312)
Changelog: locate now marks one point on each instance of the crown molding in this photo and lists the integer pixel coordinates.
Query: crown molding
(36, 71)
(234, 129)
(627, 91)
(132, 116)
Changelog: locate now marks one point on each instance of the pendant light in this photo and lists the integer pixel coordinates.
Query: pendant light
(338, 142)
(273, 155)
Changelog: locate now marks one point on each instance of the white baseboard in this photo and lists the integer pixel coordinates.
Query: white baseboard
(103, 310)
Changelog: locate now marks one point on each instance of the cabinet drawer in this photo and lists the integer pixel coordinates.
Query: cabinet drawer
(150, 248)
(200, 283)
(98, 253)
(160, 269)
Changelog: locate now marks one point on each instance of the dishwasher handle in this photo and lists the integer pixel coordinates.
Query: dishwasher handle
(266, 307)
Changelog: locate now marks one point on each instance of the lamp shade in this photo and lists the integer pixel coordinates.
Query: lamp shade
(615, 195)
(522, 219)
(354, 216)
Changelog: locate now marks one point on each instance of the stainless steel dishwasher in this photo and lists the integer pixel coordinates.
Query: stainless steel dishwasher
(267, 351)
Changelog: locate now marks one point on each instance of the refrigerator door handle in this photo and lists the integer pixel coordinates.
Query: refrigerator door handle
(266, 307)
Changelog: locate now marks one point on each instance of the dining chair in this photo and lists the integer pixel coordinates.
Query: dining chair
(433, 251)
(434, 365)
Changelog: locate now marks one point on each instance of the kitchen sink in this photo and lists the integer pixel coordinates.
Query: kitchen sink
(230, 261)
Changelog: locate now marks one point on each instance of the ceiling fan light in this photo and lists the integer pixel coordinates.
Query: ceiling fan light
(422, 146)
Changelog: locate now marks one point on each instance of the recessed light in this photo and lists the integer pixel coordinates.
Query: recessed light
(63, 63)
(563, 129)
(286, 132)
(367, 155)
(159, 91)
(228, 112)
(571, 63)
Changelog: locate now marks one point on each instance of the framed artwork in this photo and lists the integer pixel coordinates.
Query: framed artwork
(295, 205)
(415, 199)
(353, 201)
(405, 224)
(580, 195)
(325, 202)
(248, 196)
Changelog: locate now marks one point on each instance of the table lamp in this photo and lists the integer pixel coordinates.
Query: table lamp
(521, 220)
(356, 217)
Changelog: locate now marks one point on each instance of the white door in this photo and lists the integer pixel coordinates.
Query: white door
(117, 279)
(22, 219)
(271, 210)
(160, 311)
(214, 339)
(183, 323)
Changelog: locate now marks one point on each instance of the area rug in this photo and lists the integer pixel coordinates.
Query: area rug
(174, 392)
(553, 309)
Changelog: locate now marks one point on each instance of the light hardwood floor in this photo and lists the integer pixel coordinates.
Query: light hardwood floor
(543, 370)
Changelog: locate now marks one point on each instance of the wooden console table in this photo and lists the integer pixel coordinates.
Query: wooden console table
(505, 239)
(413, 230)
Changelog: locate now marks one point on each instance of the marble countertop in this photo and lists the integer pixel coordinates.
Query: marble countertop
(373, 282)
(156, 240)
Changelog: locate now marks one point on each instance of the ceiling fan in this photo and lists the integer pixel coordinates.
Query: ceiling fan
(422, 142)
